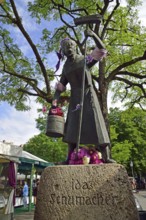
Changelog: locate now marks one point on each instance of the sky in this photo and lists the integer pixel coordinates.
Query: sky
(18, 127)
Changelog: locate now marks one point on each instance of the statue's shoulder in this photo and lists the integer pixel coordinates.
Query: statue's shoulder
(79, 57)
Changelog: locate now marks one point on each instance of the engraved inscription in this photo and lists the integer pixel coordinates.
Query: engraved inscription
(97, 199)
(76, 185)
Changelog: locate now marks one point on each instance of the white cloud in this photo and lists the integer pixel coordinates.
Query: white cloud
(17, 127)
(28, 22)
(29, 25)
(142, 13)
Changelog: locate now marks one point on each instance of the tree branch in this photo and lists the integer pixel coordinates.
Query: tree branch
(132, 84)
(124, 65)
(73, 11)
(110, 16)
(32, 45)
(27, 92)
(30, 81)
(126, 73)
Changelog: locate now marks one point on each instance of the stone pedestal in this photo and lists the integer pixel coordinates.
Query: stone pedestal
(85, 192)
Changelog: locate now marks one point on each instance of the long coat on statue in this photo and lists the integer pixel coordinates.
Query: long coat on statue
(93, 129)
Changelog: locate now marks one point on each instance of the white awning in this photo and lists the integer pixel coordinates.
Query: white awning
(9, 151)
(30, 156)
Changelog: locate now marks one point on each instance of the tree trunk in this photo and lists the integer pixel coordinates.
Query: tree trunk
(103, 93)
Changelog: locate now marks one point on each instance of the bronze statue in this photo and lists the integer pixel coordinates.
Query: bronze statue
(93, 129)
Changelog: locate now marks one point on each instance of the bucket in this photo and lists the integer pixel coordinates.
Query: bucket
(55, 126)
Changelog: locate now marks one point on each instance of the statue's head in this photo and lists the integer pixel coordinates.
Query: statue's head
(68, 47)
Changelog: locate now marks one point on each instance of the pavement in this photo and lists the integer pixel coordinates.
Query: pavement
(25, 214)
(22, 213)
(141, 197)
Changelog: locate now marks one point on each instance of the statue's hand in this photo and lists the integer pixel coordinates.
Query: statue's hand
(54, 102)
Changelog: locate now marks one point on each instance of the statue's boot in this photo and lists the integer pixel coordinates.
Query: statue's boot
(71, 148)
(105, 151)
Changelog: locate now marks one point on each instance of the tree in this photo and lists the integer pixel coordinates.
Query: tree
(123, 70)
(49, 149)
(128, 128)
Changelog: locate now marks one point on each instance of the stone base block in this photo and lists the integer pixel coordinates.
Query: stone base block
(85, 192)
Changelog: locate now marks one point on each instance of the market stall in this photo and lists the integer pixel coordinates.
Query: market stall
(29, 169)
(13, 162)
(9, 160)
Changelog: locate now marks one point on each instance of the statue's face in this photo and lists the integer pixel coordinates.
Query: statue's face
(68, 47)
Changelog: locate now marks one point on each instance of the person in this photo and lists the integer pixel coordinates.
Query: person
(25, 194)
(93, 129)
(34, 187)
(38, 182)
(35, 190)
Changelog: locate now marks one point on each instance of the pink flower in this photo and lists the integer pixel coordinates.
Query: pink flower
(94, 157)
(84, 154)
(44, 109)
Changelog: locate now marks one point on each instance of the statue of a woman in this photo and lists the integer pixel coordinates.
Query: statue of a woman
(93, 129)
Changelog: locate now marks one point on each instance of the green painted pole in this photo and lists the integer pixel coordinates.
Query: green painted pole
(30, 189)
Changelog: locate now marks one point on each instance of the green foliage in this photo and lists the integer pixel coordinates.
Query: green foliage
(123, 71)
(49, 149)
(120, 30)
(128, 129)
(121, 152)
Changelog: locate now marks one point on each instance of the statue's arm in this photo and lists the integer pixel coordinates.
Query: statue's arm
(60, 87)
(98, 53)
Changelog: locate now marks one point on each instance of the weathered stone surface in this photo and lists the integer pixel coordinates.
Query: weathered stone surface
(88, 192)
